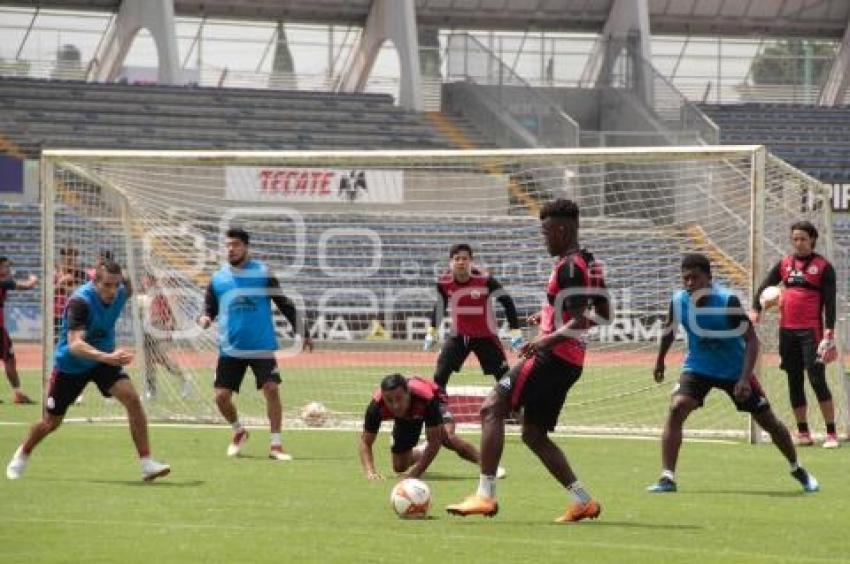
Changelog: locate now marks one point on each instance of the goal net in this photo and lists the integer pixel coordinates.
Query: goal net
(357, 240)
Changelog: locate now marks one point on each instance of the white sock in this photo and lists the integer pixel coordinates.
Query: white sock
(276, 439)
(487, 486)
(578, 492)
(794, 466)
(145, 459)
(669, 474)
(237, 426)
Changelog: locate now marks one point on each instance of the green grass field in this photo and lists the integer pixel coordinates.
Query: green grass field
(82, 501)
(614, 397)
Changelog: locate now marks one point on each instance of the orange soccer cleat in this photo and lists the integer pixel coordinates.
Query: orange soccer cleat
(578, 511)
(475, 505)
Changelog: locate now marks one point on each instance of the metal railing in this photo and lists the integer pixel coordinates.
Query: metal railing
(671, 108)
(469, 60)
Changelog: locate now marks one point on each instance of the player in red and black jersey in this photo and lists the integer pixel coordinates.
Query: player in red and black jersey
(411, 403)
(552, 363)
(158, 324)
(7, 352)
(69, 275)
(806, 326)
(469, 293)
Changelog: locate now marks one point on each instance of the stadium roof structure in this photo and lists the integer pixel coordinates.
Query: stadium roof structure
(809, 18)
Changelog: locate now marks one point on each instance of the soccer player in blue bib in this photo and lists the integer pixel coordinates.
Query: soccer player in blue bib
(721, 353)
(240, 295)
(86, 352)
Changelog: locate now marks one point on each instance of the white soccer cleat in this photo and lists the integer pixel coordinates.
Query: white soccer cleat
(501, 473)
(831, 441)
(17, 465)
(239, 440)
(276, 453)
(151, 469)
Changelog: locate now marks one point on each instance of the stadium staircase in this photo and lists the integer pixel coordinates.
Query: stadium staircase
(461, 133)
(728, 267)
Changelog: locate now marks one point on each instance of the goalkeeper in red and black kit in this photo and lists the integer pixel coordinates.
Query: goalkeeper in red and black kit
(806, 326)
(469, 293)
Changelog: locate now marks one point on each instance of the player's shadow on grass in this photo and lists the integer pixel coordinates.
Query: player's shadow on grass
(595, 523)
(429, 477)
(634, 525)
(759, 493)
(295, 459)
(155, 484)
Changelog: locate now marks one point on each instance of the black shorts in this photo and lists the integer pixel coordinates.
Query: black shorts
(406, 432)
(230, 371)
(697, 386)
(798, 349)
(63, 389)
(6, 350)
(488, 350)
(539, 385)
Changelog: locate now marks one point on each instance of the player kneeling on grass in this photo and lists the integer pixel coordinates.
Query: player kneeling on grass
(722, 352)
(411, 403)
(86, 353)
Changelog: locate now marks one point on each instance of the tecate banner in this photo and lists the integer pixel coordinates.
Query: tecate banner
(316, 185)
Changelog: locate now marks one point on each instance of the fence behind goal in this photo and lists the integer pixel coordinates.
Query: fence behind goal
(357, 240)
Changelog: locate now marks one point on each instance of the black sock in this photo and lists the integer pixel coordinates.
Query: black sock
(800, 474)
(830, 428)
(803, 427)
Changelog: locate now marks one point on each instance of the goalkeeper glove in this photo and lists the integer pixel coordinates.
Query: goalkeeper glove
(827, 351)
(430, 339)
(517, 340)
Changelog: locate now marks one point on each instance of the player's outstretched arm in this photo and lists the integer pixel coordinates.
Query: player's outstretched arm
(28, 284)
(367, 459)
(772, 278)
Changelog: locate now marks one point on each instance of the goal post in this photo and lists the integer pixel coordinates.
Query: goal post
(358, 238)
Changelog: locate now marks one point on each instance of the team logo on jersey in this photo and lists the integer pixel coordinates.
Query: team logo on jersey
(475, 294)
(813, 269)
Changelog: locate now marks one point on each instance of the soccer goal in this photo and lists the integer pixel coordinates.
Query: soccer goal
(357, 239)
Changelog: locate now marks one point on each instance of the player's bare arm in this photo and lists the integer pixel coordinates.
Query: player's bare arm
(668, 335)
(434, 436)
(79, 347)
(751, 353)
(367, 458)
(28, 284)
